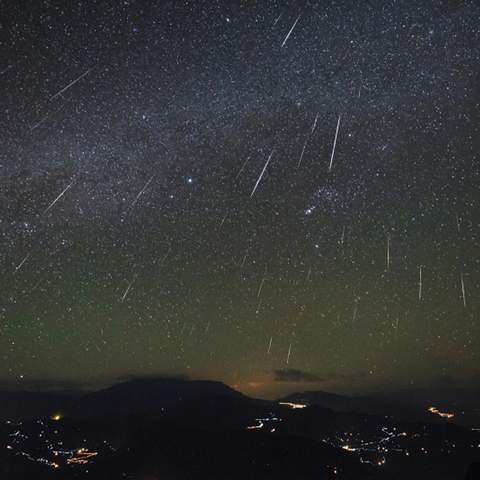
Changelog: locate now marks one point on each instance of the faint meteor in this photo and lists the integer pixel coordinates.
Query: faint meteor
(269, 346)
(5, 70)
(243, 261)
(260, 287)
(355, 311)
(124, 296)
(303, 151)
(334, 142)
(277, 19)
(36, 285)
(388, 254)
(20, 265)
(463, 291)
(141, 191)
(290, 32)
(289, 352)
(342, 239)
(262, 173)
(314, 124)
(243, 166)
(39, 123)
(59, 197)
(71, 84)
(166, 255)
(223, 220)
(420, 283)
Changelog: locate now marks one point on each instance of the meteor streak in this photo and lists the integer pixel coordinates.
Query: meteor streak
(59, 197)
(289, 352)
(420, 283)
(142, 191)
(262, 173)
(334, 143)
(463, 291)
(19, 266)
(71, 84)
(127, 290)
(303, 151)
(290, 32)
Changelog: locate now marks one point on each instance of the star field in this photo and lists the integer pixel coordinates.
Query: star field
(229, 189)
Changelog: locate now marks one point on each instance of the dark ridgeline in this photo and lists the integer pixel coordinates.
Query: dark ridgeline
(406, 404)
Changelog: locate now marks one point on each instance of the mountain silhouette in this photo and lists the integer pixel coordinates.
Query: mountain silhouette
(153, 428)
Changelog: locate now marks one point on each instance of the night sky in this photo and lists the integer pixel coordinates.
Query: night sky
(278, 195)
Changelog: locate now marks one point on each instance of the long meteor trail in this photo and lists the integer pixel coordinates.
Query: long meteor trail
(59, 197)
(71, 84)
(290, 32)
(420, 283)
(303, 151)
(464, 297)
(289, 352)
(334, 143)
(142, 191)
(262, 173)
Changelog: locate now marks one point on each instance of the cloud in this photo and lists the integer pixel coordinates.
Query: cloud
(153, 377)
(294, 375)
(300, 376)
(42, 385)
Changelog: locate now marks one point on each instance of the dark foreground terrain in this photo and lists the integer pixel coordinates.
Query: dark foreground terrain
(178, 429)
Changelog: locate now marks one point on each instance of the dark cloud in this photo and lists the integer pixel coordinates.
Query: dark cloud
(42, 385)
(157, 377)
(294, 375)
(301, 376)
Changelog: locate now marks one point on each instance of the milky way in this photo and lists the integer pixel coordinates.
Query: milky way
(133, 134)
